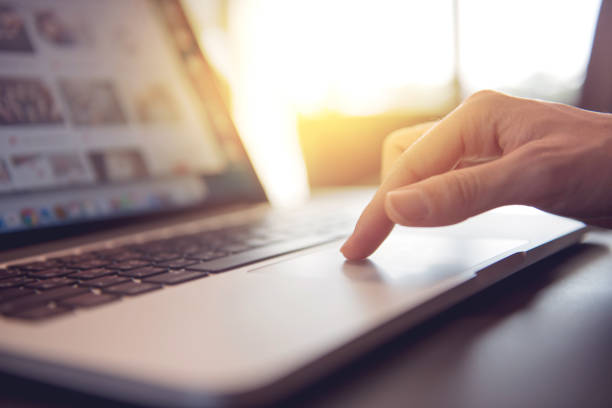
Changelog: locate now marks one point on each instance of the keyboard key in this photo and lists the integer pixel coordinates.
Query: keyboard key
(50, 273)
(163, 256)
(254, 255)
(74, 259)
(14, 293)
(91, 273)
(132, 288)
(41, 312)
(11, 272)
(14, 282)
(177, 263)
(152, 246)
(175, 277)
(130, 264)
(206, 255)
(105, 281)
(142, 272)
(50, 283)
(39, 299)
(118, 255)
(190, 249)
(39, 266)
(89, 264)
(89, 300)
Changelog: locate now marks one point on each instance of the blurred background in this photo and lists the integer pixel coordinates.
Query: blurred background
(315, 86)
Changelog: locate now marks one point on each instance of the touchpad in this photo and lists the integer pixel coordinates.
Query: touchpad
(405, 256)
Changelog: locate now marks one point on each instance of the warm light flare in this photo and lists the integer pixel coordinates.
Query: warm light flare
(363, 58)
(355, 58)
(352, 57)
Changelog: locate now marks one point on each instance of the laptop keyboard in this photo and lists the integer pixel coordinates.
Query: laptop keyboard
(40, 290)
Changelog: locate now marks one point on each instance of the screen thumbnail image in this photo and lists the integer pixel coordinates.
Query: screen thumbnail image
(5, 177)
(156, 104)
(26, 101)
(126, 41)
(32, 170)
(118, 165)
(61, 30)
(52, 169)
(68, 168)
(13, 34)
(92, 102)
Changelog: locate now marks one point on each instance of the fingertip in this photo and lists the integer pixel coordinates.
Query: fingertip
(343, 248)
(359, 246)
(353, 257)
(370, 231)
(348, 250)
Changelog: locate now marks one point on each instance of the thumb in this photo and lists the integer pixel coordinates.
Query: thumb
(452, 197)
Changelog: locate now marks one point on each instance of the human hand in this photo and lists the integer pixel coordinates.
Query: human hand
(492, 150)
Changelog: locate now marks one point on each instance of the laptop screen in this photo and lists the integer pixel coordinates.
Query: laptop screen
(108, 109)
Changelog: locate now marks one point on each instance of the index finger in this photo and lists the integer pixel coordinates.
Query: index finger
(464, 133)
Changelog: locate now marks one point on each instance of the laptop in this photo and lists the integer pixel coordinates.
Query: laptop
(140, 260)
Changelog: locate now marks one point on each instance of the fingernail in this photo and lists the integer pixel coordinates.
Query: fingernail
(407, 205)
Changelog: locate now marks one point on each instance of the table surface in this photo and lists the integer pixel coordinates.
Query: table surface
(541, 338)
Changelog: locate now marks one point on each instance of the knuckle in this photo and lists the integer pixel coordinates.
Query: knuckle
(390, 150)
(465, 188)
(403, 137)
(486, 94)
(486, 100)
(484, 114)
(392, 139)
(547, 170)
